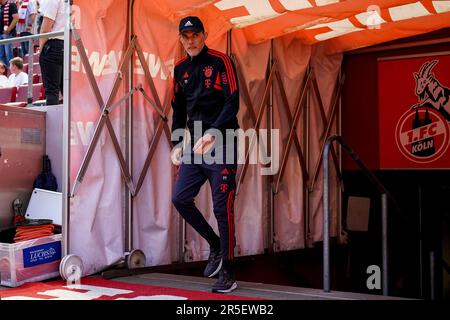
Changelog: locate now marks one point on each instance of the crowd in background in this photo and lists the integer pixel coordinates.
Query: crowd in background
(19, 18)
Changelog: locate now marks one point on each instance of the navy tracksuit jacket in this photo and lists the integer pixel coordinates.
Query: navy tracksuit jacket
(206, 90)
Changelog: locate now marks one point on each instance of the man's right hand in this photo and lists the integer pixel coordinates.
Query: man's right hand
(175, 156)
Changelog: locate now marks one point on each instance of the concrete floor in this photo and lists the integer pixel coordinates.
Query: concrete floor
(245, 289)
(248, 289)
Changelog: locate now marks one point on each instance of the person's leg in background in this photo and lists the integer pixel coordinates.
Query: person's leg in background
(25, 44)
(51, 61)
(4, 53)
(8, 48)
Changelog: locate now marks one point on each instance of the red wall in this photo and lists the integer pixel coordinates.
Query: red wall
(360, 98)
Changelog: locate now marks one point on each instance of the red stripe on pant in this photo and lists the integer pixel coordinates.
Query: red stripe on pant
(230, 203)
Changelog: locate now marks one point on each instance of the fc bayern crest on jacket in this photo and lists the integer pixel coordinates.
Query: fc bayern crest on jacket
(208, 71)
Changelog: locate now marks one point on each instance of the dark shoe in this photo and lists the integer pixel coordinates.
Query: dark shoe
(214, 263)
(226, 282)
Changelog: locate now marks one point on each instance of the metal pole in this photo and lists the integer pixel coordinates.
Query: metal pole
(268, 178)
(229, 48)
(341, 188)
(66, 130)
(30, 72)
(326, 218)
(420, 243)
(306, 123)
(270, 147)
(384, 222)
(432, 275)
(129, 140)
(326, 213)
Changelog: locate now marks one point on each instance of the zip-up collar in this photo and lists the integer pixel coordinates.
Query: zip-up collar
(200, 56)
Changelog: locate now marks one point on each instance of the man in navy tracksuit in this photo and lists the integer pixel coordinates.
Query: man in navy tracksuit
(206, 92)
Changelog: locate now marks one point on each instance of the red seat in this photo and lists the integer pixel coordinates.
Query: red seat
(8, 95)
(36, 68)
(36, 78)
(22, 93)
(35, 58)
(42, 92)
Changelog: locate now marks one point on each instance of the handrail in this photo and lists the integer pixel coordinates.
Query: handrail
(30, 55)
(326, 212)
(32, 37)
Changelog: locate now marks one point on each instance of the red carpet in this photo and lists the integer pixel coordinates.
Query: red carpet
(100, 289)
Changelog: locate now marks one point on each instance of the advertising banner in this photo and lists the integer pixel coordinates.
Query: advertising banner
(414, 117)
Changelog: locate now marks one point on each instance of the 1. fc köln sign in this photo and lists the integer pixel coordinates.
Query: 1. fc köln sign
(414, 111)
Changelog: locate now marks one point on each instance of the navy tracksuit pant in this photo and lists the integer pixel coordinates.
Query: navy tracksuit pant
(221, 178)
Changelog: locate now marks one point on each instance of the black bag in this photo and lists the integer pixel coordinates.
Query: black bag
(46, 180)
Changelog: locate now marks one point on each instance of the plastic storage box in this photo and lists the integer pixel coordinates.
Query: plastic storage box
(22, 145)
(29, 261)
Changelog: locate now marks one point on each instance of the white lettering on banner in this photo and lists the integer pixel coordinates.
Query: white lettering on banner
(258, 10)
(154, 65)
(325, 2)
(441, 6)
(397, 13)
(262, 9)
(76, 61)
(338, 28)
(76, 16)
(95, 63)
(112, 63)
(296, 4)
(138, 69)
(407, 11)
(109, 64)
(81, 133)
(170, 65)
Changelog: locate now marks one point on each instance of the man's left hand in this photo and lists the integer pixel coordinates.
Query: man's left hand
(204, 144)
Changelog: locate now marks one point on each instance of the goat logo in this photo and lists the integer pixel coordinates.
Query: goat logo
(423, 132)
(431, 93)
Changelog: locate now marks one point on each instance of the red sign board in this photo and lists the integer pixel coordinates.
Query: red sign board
(414, 111)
